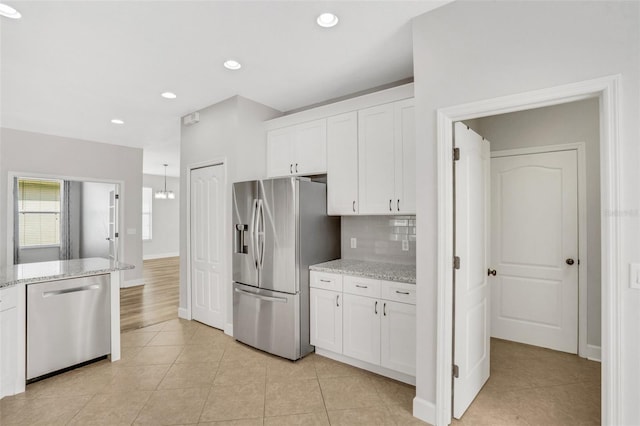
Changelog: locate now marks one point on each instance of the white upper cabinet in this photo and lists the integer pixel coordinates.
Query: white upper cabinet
(405, 157)
(376, 165)
(342, 164)
(297, 150)
(386, 159)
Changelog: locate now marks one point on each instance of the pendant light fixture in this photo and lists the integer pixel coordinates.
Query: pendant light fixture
(163, 195)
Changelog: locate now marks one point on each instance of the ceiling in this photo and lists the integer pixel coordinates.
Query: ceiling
(68, 68)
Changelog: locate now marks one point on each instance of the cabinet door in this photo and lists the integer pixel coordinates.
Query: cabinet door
(280, 152)
(326, 319)
(376, 160)
(310, 148)
(398, 329)
(405, 157)
(8, 351)
(361, 318)
(342, 164)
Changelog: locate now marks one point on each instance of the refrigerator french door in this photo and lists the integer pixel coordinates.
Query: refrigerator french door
(280, 228)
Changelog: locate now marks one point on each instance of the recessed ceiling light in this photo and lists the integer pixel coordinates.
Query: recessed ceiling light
(232, 65)
(9, 12)
(327, 20)
(169, 95)
(117, 121)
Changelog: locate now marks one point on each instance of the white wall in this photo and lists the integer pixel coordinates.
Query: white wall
(556, 125)
(165, 216)
(470, 51)
(39, 154)
(231, 130)
(94, 226)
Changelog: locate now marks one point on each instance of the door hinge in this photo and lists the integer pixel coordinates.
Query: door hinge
(455, 371)
(456, 154)
(456, 262)
(116, 235)
(117, 196)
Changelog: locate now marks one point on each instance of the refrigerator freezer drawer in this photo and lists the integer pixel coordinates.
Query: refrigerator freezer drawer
(267, 320)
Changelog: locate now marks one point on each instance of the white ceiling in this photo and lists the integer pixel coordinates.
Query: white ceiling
(68, 68)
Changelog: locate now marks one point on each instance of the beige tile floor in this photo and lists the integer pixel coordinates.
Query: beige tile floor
(536, 386)
(182, 372)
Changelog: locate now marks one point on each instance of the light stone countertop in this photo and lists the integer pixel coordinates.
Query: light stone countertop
(29, 273)
(375, 270)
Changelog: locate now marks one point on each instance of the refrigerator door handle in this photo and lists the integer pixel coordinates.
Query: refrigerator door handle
(261, 233)
(262, 297)
(254, 232)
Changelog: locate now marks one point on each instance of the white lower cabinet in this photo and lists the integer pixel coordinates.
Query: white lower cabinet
(398, 337)
(361, 328)
(326, 319)
(9, 341)
(368, 323)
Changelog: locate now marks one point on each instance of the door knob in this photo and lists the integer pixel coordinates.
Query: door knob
(570, 261)
(491, 272)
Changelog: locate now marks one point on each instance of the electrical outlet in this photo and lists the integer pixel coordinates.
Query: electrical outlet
(354, 242)
(405, 245)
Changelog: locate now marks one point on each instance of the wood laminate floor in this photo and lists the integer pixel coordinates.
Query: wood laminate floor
(157, 300)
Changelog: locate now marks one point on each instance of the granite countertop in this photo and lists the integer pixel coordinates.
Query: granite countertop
(376, 270)
(29, 273)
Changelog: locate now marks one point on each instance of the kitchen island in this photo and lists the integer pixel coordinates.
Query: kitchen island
(14, 280)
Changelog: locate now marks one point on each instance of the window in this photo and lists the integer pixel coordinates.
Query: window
(39, 212)
(147, 206)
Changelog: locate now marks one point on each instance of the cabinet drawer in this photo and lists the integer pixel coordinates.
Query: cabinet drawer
(8, 298)
(399, 292)
(361, 286)
(326, 280)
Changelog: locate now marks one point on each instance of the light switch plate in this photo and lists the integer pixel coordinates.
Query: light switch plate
(634, 276)
(354, 242)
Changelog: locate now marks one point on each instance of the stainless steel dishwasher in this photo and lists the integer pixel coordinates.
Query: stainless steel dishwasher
(68, 323)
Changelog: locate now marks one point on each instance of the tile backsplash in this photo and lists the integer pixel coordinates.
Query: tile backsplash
(379, 238)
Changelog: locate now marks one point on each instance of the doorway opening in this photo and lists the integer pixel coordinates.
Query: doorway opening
(606, 91)
(539, 240)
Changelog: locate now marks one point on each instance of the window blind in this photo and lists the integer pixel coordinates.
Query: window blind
(38, 212)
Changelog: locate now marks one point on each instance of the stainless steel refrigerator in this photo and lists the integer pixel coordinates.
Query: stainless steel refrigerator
(280, 228)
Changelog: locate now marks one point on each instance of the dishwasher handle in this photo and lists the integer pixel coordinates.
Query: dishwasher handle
(70, 290)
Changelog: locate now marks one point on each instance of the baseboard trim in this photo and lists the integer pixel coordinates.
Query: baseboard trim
(132, 283)
(594, 353)
(424, 410)
(183, 313)
(228, 329)
(159, 256)
(396, 375)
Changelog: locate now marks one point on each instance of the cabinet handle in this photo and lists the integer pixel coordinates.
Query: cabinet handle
(290, 168)
(354, 206)
(384, 309)
(390, 209)
(361, 286)
(296, 167)
(328, 281)
(398, 204)
(402, 292)
(375, 309)
(338, 300)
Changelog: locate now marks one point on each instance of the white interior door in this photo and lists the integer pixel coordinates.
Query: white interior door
(535, 249)
(207, 250)
(113, 225)
(471, 311)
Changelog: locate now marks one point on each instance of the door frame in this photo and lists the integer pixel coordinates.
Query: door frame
(580, 148)
(607, 90)
(215, 162)
(119, 187)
